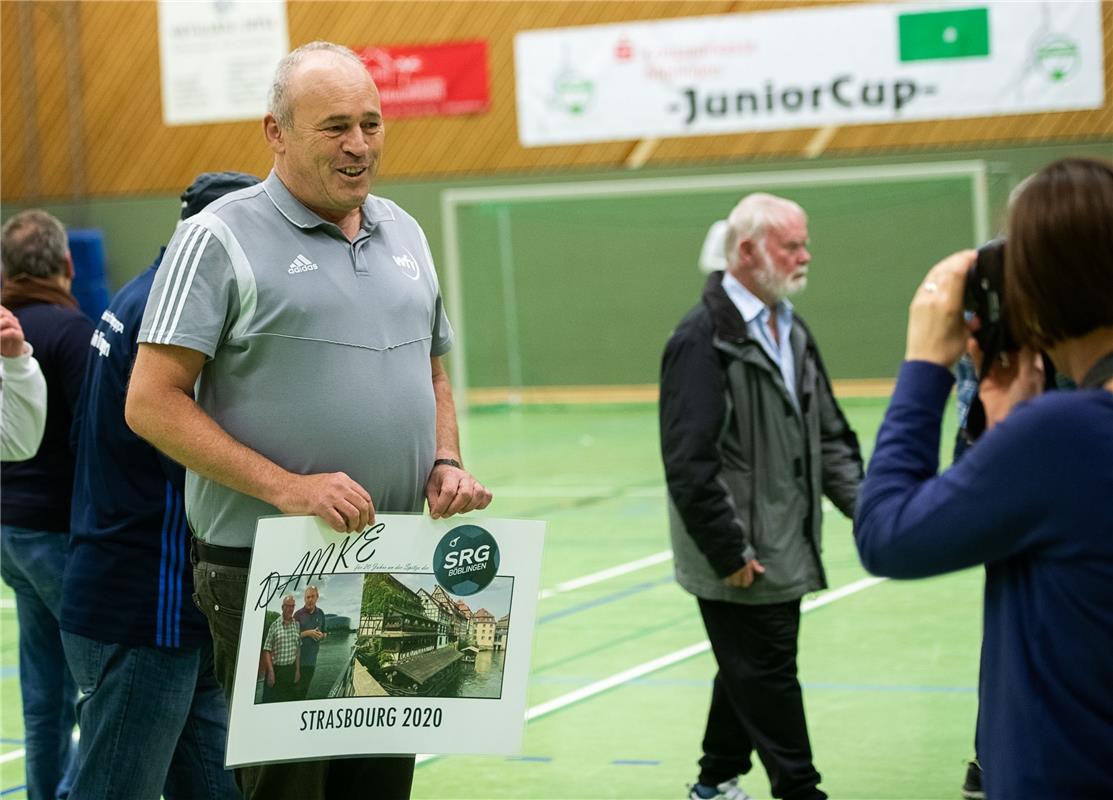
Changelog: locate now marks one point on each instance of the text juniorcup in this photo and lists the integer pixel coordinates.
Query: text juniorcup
(844, 91)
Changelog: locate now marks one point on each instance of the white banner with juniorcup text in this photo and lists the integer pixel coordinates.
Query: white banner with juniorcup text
(805, 68)
(412, 636)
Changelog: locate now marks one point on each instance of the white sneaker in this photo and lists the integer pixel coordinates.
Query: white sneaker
(730, 790)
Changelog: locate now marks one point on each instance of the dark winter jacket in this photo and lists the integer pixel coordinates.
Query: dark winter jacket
(745, 469)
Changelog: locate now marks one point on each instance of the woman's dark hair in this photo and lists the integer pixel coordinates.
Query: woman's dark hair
(1059, 256)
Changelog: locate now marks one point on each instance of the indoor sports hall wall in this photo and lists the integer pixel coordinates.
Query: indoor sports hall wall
(584, 290)
(561, 289)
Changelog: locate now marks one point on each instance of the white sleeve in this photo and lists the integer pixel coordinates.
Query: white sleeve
(23, 406)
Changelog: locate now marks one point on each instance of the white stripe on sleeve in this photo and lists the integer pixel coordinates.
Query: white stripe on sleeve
(173, 279)
(184, 293)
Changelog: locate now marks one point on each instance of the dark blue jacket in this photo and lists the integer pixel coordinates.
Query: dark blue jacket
(128, 579)
(1032, 502)
(37, 491)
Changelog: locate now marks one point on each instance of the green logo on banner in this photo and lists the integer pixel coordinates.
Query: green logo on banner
(939, 35)
(574, 92)
(1057, 56)
(466, 560)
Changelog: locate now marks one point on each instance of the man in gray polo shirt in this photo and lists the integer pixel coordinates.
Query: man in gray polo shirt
(307, 314)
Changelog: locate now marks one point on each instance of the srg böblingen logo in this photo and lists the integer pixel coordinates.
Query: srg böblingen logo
(466, 560)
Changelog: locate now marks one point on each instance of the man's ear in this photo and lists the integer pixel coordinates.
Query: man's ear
(274, 134)
(745, 249)
(69, 266)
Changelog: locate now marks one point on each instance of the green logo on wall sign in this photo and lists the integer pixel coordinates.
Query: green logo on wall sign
(466, 560)
(574, 93)
(1057, 56)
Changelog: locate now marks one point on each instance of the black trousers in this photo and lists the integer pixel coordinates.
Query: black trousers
(284, 687)
(756, 702)
(301, 688)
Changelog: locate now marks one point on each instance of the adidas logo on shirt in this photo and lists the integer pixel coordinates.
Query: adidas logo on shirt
(301, 264)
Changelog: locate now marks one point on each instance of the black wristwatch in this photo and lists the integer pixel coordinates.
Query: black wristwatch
(449, 462)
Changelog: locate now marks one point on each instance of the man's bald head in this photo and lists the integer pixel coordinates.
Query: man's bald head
(280, 99)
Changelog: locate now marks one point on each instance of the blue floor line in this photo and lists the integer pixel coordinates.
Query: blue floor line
(543, 759)
(882, 687)
(605, 599)
(20, 742)
(635, 762)
(13, 789)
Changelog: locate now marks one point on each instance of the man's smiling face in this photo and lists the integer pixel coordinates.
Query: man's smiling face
(329, 155)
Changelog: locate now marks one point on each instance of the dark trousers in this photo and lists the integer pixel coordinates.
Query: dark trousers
(301, 688)
(220, 593)
(756, 702)
(284, 687)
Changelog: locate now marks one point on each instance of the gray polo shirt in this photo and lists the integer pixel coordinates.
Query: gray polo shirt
(318, 348)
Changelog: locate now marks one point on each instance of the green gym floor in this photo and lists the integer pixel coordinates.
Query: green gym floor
(620, 672)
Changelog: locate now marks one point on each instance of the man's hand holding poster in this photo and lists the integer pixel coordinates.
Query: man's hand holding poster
(401, 638)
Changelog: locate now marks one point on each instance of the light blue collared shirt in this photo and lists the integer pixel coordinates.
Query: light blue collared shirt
(756, 315)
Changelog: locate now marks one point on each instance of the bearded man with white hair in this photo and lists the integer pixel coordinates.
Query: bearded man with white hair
(752, 438)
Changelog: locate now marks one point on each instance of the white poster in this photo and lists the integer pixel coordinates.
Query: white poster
(417, 630)
(805, 68)
(217, 58)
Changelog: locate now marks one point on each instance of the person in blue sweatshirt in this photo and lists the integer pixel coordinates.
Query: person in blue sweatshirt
(153, 717)
(1032, 500)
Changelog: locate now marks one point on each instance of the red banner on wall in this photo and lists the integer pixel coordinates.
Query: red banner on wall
(430, 80)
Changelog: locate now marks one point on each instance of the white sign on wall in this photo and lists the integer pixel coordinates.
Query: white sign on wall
(805, 68)
(217, 58)
(418, 642)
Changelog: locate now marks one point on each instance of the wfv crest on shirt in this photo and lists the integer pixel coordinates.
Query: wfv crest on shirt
(408, 264)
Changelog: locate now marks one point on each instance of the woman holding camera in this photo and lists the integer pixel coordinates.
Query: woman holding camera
(1033, 501)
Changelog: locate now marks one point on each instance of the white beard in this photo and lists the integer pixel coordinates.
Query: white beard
(775, 284)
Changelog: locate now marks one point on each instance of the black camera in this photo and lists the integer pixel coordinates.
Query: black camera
(984, 297)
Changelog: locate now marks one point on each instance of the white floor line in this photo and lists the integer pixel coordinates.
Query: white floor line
(12, 756)
(622, 569)
(7, 602)
(606, 574)
(617, 679)
(839, 594)
(675, 657)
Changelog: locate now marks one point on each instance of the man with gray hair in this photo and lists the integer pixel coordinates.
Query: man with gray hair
(35, 505)
(282, 655)
(751, 438)
(307, 314)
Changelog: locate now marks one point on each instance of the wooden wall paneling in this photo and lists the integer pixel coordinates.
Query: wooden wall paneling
(19, 165)
(122, 98)
(51, 108)
(127, 150)
(133, 152)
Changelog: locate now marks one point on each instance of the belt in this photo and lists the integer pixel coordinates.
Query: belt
(221, 556)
